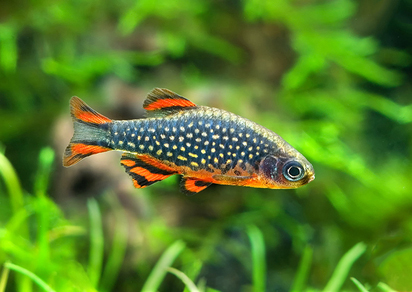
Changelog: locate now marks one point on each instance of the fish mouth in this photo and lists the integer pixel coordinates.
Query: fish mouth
(312, 177)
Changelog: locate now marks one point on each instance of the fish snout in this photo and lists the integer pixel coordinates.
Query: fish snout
(311, 178)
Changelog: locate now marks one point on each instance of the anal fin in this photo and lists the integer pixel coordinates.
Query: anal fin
(143, 170)
(191, 186)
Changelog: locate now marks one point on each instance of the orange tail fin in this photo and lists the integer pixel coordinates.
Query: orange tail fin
(91, 135)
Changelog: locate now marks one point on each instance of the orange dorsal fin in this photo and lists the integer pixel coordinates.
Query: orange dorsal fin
(191, 186)
(144, 172)
(162, 102)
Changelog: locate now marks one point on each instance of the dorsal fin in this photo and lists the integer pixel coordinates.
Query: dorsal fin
(161, 101)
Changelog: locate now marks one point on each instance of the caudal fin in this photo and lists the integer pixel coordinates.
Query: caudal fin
(90, 133)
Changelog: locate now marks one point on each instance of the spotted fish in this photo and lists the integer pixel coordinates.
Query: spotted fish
(205, 145)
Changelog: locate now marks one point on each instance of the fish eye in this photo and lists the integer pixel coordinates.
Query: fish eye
(293, 171)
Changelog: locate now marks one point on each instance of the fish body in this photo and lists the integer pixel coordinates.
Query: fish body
(205, 145)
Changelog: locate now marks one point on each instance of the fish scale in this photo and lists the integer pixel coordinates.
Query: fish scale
(205, 145)
(197, 139)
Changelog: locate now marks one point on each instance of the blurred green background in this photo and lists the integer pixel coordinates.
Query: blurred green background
(332, 77)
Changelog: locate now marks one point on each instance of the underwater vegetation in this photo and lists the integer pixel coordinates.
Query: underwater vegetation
(333, 78)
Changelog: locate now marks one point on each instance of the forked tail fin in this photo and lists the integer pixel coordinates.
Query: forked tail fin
(91, 135)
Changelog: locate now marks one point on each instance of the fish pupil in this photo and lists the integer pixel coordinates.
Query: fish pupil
(293, 171)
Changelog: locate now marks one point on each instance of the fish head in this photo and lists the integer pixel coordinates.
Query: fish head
(286, 171)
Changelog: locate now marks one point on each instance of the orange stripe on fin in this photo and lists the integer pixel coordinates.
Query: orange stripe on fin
(165, 100)
(149, 176)
(81, 111)
(168, 102)
(156, 163)
(191, 186)
(145, 171)
(128, 162)
(137, 186)
(77, 151)
(85, 149)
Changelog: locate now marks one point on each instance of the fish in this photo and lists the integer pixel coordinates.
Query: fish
(204, 145)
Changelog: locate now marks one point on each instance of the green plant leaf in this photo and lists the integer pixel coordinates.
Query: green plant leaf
(96, 242)
(185, 279)
(4, 278)
(12, 183)
(396, 269)
(31, 275)
(303, 270)
(118, 248)
(385, 288)
(258, 258)
(343, 267)
(359, 285)
(160, 269)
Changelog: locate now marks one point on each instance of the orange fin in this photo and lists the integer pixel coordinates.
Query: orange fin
(77, 151)
(144, 172)
(81, 111)
(163, 102)
(191, 186)
(91, 135)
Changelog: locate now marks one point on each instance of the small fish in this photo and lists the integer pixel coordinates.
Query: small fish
(205, 145)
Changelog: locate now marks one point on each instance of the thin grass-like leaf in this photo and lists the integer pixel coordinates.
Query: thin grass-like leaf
(343, 267)
(31, 275)
(18, 219)
(12, 183)
(359, 285)
(46, 159)
(185, 279)
(385, 288)
(303, 270)
(258, 258)
(43, 243)
(201, 285)
(63, 231)
(118, 249)
(4, 278)
(192, 270)
(96, 243)
(160, 269)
